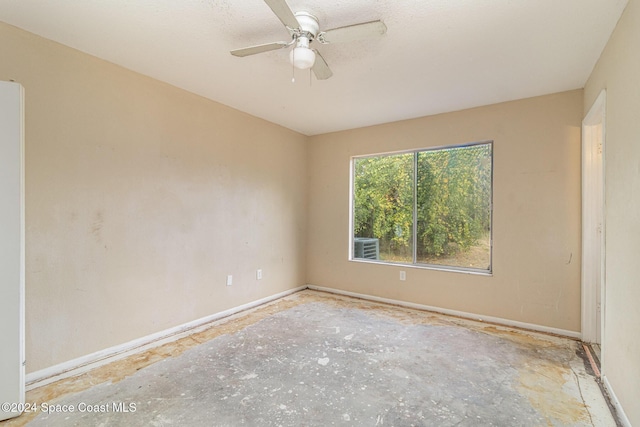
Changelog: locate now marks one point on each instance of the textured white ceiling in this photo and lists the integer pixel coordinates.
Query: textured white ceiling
(437, 55)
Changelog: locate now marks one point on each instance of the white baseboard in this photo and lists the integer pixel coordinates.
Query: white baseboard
(83, 364)
(622, 417)
(471, 316)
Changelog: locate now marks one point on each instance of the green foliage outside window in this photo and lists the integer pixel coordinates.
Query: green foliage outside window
(452, 203)
(384, 203)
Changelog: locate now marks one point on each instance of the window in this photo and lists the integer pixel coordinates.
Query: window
(427, 207)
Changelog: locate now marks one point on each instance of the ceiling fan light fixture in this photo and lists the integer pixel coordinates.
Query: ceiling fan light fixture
(302, 57)
(303, 29)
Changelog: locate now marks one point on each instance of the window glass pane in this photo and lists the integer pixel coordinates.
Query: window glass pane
(454, 207)
(383, 208)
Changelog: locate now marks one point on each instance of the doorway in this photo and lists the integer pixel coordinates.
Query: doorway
(593, 232)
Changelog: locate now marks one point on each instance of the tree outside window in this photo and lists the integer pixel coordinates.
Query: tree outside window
(427, 207)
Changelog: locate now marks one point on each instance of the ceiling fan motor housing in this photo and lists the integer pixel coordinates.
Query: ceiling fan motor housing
(309, 26)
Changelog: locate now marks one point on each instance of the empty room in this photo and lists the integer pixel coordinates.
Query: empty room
(313, 213)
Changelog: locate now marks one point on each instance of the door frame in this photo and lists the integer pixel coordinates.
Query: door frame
(12, 248)
(593, 221)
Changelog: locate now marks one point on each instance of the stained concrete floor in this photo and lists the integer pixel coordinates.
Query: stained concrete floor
(316, 359)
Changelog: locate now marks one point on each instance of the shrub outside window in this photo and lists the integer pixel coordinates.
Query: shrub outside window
(428, 207)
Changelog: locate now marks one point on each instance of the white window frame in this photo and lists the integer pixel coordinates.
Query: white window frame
(414, 263)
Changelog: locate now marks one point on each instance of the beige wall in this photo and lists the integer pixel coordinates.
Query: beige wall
(536, 224)
(618, 71)
(140, 199)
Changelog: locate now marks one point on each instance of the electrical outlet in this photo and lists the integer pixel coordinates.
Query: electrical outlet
(403, 275)
(229, 280)
(259, 274)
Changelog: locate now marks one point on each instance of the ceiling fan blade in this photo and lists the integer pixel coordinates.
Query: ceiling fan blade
(320, 67)
(252, 50)
(283, 12)
(353, 32)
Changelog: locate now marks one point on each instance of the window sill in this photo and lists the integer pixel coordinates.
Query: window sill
(427, 267)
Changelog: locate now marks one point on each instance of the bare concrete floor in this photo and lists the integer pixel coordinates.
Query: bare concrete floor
(315, 359)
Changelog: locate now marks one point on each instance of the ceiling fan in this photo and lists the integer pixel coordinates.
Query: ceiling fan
(304, 28)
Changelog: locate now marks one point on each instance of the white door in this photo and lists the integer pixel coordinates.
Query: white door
(12, 387)
(593, 241)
